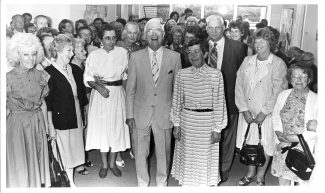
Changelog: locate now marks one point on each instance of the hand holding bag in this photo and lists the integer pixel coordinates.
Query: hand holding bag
(300, 162)
(59, 177)
(252, 154)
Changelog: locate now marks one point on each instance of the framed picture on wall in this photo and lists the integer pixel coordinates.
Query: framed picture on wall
(286, 24)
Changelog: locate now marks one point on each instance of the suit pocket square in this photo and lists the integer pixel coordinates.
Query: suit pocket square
(170, 72)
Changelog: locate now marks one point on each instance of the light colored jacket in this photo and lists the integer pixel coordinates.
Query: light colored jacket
(270, 82)
(311, 112)
(145, 102)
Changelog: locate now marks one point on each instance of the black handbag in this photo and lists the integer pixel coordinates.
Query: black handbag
(59, 177)
(300, 162)
(252, 154)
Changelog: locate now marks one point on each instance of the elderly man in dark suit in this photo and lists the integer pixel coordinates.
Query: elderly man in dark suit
(149, 93)
(225, 55)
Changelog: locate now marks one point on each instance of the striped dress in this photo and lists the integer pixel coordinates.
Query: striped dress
(196, 160)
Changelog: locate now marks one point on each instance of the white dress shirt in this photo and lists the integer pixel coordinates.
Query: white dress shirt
(158, 56)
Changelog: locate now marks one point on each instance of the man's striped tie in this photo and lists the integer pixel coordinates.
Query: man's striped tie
(155, 68)
(214, 56)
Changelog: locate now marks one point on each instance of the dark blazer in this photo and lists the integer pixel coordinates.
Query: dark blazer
(60, 99)
(233, 55)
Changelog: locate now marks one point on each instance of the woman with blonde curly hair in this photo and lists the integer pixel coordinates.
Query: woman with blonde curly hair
(66, 97)
(177, 38)
(26, 151)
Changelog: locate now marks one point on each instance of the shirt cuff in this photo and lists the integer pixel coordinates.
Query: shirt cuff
(176, 124)
(87, 79)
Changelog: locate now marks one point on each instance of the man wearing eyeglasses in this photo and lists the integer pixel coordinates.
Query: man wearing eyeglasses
(225, 55)
(151, 73)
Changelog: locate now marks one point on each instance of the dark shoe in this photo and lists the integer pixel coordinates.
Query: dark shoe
(89, 164)
(260, 183)
(103, 172)
(116, 171)
(224, 176)
(244, 181)
(83, 172)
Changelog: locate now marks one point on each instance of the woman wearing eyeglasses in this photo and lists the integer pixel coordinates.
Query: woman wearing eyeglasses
(105, 73)
(260, 78)
(295, 112)
(199, 114)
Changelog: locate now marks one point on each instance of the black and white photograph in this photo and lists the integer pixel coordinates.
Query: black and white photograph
(175, 96)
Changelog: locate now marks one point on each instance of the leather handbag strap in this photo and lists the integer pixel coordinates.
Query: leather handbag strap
(59, 155)
(259, 133)
(306, 149)
(246, 133)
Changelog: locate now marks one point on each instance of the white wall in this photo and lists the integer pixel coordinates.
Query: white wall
(111, 12)
(309, 42)
(77, 12)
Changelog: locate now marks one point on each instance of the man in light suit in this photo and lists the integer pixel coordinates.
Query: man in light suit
(149, 95)
(229, 55)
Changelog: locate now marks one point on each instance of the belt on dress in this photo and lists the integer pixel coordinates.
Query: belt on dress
(114, 83)
(199, 110)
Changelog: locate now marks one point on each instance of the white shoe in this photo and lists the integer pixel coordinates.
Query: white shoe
(120, 163)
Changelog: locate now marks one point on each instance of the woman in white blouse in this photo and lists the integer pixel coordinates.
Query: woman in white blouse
(260, 78)
(107, 130)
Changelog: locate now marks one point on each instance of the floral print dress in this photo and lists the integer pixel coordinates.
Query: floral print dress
(292, 116)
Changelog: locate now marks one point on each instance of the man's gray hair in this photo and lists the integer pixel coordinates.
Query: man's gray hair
(153, 21)
(215, 17)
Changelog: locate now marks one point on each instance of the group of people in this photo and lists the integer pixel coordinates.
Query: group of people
(110, 86)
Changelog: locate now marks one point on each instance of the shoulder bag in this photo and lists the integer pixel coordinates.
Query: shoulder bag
(252, 154)
(300, 162)
(59, 177)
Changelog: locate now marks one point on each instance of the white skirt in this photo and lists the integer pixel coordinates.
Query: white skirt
(71, 143)
(107, 130)
(267, 133)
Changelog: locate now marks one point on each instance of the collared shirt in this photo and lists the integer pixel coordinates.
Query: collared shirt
(68, 75)
(220, 47)
(158, 56)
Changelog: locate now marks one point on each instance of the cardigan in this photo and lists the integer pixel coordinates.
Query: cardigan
(61, 100)
(311, 112)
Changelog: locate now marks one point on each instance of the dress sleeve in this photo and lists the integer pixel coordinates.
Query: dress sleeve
(219, 102)
(49, 98)
(276, 118)
(178, 100)
(89, 71)
(44, 78)
(125, 65)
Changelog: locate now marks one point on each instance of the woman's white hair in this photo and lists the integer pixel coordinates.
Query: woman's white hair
(59, 42)
(20, 42)
(123, 36)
